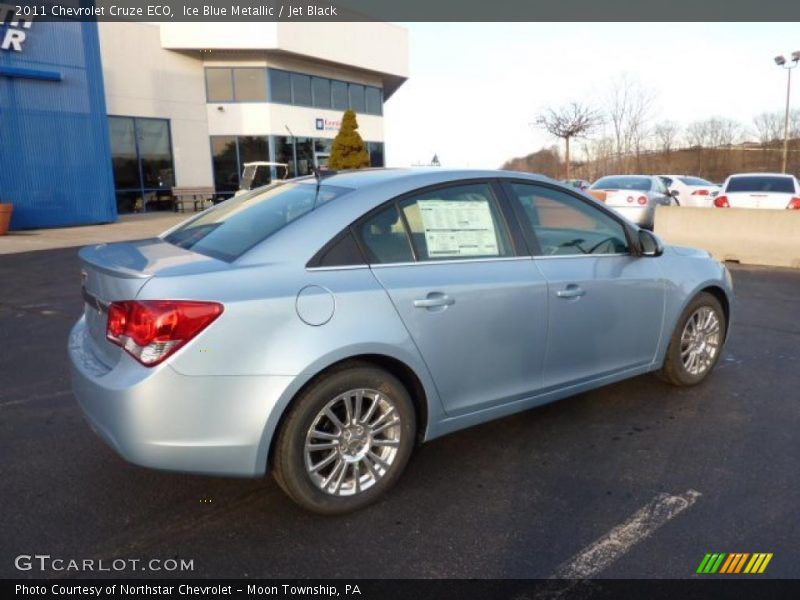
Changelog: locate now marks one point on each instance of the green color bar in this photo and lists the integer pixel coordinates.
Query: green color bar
(701, 568)
(718, 563)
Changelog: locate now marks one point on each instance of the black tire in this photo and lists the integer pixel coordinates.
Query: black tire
(289, 463)
(674, 370)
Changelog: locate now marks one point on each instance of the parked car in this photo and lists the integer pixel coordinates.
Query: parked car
(580, 184)
(635, 196)
(691, 191)
(319, 329)
(760, 190)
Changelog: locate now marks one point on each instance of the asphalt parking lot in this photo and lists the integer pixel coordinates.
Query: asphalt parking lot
(516, 498)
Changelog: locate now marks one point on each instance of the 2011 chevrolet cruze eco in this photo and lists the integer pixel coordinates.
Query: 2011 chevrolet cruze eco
(319, 329)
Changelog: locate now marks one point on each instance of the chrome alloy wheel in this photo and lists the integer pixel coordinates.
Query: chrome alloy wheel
(700, 341)
(352, 442)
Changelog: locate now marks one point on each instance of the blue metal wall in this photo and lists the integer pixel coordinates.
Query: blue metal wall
(55, 156)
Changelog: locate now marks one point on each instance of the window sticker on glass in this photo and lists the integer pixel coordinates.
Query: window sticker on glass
(458, 228)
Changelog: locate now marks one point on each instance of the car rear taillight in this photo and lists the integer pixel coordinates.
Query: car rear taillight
(642, 200)
(700, 193)
(794, 204)
(152, 330)
(721, 202)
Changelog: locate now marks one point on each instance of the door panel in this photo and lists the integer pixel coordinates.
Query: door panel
(479, 325)
(613, 323)
(605, 306)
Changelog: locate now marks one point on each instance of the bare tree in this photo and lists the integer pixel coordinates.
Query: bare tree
(768, 127)
(629, 109)
(666, 135)
(573, 120)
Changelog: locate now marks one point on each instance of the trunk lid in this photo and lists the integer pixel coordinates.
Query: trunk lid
(774, 200)
(111, 272)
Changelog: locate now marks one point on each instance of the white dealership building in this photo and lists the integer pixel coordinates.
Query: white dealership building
(189, 103)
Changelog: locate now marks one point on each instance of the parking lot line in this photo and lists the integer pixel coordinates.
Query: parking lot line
(50, 396)
(602, 553)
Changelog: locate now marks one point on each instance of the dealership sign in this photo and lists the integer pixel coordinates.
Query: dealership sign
(12, 28)
(322, 124)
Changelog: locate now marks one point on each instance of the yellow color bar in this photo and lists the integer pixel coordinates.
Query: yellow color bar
(765, 563)
(755, 563)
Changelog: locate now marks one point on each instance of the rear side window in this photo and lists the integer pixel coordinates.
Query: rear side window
(761, 183)
(232, 228)
(385, 239)
(565, 225)
(447, 223)
(462, 221)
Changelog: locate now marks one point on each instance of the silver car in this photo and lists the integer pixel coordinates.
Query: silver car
(319, 329)
(636, 196)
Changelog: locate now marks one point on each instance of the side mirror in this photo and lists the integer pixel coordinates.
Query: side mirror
(650, 244)
(674, 193)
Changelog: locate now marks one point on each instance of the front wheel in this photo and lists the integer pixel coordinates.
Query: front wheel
(696, 343)
(346, 440)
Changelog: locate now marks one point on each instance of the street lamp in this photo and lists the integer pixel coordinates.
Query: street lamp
(781, 62)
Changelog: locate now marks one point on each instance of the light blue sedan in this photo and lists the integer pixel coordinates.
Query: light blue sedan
(321, 328)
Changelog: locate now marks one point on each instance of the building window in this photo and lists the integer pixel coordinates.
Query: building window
(321, 89)
(229, 154)
(301, 89)
(141, 153)
(319, 92)
(280, 89)
(375, 150)
(339, 95)
(357, 102)
(246, 84)
(219, 85)
(250, 85)
(374, 101)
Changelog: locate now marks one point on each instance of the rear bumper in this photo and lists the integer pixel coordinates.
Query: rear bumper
(641, 215)
(161, 419)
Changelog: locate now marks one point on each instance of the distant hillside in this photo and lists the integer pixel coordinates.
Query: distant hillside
(714, 164)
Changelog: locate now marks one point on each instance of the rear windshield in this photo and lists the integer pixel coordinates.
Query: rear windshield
(694, 181)
(641, 184)
(238, 224)
(761, 183)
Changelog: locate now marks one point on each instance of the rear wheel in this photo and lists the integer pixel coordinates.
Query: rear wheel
(346, 440)
(696, 343)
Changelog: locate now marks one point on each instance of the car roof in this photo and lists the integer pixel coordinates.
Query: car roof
(362, 178)
(761, 174)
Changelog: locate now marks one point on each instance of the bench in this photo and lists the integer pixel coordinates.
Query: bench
(200, 197)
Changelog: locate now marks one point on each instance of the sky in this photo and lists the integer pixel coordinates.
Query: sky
(475, 89)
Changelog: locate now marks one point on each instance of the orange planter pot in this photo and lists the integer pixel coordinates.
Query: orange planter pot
(5, 217)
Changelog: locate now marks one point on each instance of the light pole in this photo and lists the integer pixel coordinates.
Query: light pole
(781, 62)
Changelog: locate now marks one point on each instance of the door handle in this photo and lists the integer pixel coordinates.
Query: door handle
(434, 300)
(571, 291)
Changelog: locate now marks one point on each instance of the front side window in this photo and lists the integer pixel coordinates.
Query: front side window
(565, 225)
(235, 226)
